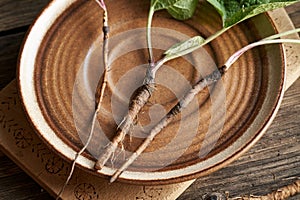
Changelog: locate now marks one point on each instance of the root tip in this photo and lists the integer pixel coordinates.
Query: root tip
(112, 179)
(115, 176)
(98, 166)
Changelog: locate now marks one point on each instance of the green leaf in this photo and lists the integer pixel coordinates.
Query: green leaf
(162, 4)
(185, 47)
(183, 9)
(179, 9)
(235, 11)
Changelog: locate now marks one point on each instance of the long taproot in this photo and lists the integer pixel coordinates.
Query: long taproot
(139, 99)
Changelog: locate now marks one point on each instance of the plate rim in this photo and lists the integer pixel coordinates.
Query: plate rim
(86, 163)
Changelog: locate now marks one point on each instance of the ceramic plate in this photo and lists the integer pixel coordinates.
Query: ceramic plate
(61, 63)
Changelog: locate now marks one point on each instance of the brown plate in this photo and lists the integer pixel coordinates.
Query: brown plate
(60, 65)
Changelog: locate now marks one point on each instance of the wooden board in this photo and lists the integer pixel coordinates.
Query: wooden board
(21, 144)
(273, 162)
(19, 14)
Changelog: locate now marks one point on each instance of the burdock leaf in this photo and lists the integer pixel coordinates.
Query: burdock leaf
(185, 47)
(179, 9)
(162, 4)
(235, 11)
(183, 9)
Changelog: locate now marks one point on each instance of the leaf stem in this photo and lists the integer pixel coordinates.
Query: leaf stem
(187, 51)
(189, 96)
(101, 4)
(282, 34)
(240, 52)
(208, 40)
(148, 36)
(214, 36)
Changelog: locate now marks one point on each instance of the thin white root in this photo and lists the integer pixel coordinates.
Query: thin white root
(109, 150)
(77, 156)
(113, 145)
(99, 102)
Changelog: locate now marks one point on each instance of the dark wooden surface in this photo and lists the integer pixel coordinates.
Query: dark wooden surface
(272, 163)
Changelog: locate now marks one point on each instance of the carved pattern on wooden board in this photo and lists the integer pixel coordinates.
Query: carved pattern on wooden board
(85, 191)
(19, 139)
(24, 139)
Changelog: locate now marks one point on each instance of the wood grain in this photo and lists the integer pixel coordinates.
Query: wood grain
(15, 184)
(16, 14)
(9, 50)
(294, 13)
(272, 163)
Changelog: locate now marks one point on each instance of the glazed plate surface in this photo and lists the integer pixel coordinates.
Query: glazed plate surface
(60, 66)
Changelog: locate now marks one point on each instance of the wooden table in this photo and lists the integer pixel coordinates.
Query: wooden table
(272, 163)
